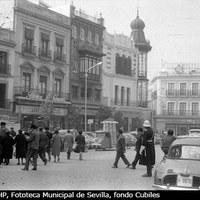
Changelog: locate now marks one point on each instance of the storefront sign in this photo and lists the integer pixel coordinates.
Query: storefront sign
(34, 95)
(36, 110)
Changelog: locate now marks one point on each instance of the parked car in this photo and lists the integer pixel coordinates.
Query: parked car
(102, 140)
(194, 132)
(130, 140)
(88, 139)
(179, 170)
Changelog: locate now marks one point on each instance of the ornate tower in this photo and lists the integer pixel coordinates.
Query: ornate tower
(143, 46)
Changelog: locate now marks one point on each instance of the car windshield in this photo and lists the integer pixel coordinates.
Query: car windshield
(185, 152)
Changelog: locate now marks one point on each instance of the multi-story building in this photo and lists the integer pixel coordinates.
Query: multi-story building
(7, 65)
(175, 93)
(42, 62)
(125, 74)
(86, 51)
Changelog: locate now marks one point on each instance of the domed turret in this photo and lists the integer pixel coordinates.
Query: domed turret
(137, 24)
(137, 34)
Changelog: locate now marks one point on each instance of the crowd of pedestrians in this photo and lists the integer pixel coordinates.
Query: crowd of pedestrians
(37, 142)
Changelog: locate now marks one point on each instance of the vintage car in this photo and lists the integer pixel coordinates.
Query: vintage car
(179, 169)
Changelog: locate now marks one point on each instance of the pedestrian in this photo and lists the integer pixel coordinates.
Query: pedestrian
(20, 141)
(137, 147)
(80, 145)
(147, 149)
(8, 143)
(33, 147)
(3, 131)
(68, 141)
(120, 150)
(167, 140)
(48, 147)
(12, 132)
(43, 142)
(56, 145)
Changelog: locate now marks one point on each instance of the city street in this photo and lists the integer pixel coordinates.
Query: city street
(94, 172)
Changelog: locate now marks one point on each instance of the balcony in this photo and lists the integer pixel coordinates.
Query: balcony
(45, 54)
(5, 69)
(117, 102)
(59, 57)
(27, 49)
(36, 94)
(94, 77)
(183, 93)
(5, 103)
(181, 113)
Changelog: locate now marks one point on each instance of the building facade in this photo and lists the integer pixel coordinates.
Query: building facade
(125, 74)
(7, 65)
(175, 93)
(86, 51)
(41, 83)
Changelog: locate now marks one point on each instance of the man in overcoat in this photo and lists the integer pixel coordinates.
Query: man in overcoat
(68, 141)
(147, 149)
(33, 147)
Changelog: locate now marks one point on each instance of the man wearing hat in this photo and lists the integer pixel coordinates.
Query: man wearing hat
(147, 149)
(33, 147)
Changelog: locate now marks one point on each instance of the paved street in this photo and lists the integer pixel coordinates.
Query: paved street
(93, 173)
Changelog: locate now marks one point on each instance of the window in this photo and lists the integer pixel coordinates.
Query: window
(170, 88)
(90, 36)
(75, 90)
(26, 82)
(89, 93)
(128, 96)
(170, 110)
(82, 92)
(97, 39)
(74, 31)
(195, 87)
(75, 66)
(58, 87)
(82, 34)
(3, 62)
(142, 64)
(97, 95)
(44, 44)
(29, 38)
(183, 89)
(59, 49)
(195, 108)
(182, 110)
(116, 94)
(122, 96)
(43, 85)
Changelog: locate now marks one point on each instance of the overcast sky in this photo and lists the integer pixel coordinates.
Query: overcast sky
(172, 26)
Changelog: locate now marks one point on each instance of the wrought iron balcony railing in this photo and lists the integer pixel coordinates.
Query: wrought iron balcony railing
(180, 113)
(117, 102)
(5, 103)
(28, 49)
(45, 54)
(5, 69)
(183, 93)
(59, 57)
(94, 77)
(41, 95)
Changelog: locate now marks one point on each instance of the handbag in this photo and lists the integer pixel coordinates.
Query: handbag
(75, 148)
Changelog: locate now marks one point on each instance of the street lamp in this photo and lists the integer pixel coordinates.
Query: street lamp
(86, 75)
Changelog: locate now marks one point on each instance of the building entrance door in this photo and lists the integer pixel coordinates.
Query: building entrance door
(2, 95)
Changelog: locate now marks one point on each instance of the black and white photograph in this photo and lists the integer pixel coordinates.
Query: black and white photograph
(99, 95)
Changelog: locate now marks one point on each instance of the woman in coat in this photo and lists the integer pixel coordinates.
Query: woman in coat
(8, 143)
(21, 143)
(56, 144)
(80, 148)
